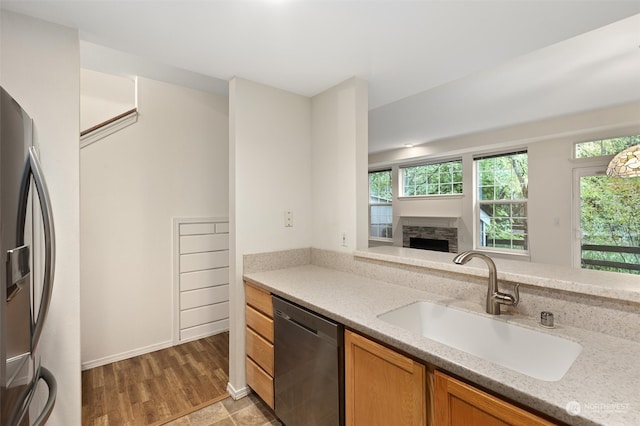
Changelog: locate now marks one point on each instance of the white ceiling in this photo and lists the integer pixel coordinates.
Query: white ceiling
(435, 68)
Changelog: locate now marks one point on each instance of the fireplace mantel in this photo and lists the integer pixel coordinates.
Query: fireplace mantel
(437, 221)
(430, 217)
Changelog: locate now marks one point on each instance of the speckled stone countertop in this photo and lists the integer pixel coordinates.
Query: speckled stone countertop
(603, 383)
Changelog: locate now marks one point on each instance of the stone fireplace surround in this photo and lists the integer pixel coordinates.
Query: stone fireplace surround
(433, 232)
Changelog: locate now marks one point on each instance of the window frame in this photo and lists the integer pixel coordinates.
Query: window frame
(601, 157)
(576, 209)
(477, 203)
(593, 169)
(401, 178)
(390, 204)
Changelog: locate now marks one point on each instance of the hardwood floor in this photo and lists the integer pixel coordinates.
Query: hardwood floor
(154, 388)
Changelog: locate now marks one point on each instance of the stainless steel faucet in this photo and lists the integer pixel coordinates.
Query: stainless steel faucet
(495, 298)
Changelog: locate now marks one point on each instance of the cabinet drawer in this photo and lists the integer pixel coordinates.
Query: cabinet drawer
(262, 324)
(259, 299)
(260, 350)
(260, 382)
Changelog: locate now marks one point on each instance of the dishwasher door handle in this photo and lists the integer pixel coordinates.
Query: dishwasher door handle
(288, 318)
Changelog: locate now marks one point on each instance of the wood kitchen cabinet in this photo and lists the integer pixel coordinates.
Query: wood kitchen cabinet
(382, 386)
(259, 342)
(458, 403)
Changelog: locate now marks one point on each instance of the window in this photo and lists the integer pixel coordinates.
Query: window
(502, 189)
(380, 208)
(432, 179)
(609, 238)
(602, 147)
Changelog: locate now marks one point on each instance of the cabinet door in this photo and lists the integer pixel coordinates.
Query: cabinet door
(383, 387)
(457, 403)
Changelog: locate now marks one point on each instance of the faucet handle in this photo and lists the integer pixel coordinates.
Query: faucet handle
(508, 299)
(516, 295)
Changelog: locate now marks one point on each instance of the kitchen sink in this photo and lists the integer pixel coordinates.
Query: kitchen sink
(534, 353)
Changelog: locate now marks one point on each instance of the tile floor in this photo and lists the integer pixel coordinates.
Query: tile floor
(248, 411)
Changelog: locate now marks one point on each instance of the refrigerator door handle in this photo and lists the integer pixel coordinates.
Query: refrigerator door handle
(50, 380)
(33, 169)
(21, 409)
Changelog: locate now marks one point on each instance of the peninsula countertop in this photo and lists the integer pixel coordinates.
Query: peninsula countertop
(603, 382)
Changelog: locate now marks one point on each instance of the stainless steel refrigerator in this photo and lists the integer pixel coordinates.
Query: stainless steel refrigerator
(27, 244)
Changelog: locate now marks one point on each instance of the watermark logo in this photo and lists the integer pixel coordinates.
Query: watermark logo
(574, 407)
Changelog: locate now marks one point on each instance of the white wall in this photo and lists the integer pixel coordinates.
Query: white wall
(40, 69)
(339, 169)
(104, 96)
(172, 163)
(270, 163)
(550, 144)
(290, 152)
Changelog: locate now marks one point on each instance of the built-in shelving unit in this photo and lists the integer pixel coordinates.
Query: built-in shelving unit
(201, 265)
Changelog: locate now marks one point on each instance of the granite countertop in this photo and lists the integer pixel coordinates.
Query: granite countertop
(583, 281)
(604, 380)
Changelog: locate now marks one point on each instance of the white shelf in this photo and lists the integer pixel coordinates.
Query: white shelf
(435, 221)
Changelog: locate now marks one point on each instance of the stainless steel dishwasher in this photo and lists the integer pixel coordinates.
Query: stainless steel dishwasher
(309, 367)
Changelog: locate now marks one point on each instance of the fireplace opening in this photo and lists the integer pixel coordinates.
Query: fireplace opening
(429, 244)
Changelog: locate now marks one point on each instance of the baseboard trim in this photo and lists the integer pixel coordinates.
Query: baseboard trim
(238, 393)
(125, 355)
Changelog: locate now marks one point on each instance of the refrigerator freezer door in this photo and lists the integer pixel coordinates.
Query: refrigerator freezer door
(16, 363)
(25, 287)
